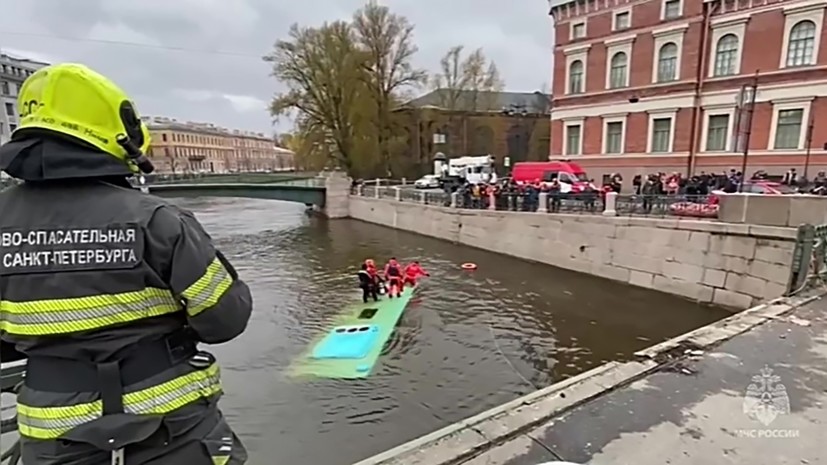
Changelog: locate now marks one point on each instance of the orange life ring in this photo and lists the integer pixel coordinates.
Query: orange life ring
(469, 266)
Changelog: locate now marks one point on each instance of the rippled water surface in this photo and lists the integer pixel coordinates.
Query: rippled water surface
(468, 341)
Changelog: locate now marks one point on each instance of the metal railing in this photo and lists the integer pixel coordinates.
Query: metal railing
(595, 203)
(403, 194)
(808, 267)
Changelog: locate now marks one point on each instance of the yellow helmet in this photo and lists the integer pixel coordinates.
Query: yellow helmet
(78, 102)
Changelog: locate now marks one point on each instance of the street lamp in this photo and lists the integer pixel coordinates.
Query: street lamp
(745, 104)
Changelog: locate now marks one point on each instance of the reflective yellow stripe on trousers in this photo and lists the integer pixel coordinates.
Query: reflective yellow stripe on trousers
(205, 292)
(53, 422)
(60, 316)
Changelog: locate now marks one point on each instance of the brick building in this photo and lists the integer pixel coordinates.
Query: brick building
(652, 85)
(187, 147)
(459, 123)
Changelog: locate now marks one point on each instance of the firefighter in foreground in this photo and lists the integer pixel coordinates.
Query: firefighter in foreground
(108, 291)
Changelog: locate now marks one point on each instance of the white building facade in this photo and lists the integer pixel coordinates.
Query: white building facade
(13, 71)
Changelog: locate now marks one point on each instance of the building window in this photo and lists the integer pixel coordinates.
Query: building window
(716, 136)
(671, 9)
(726, 55)
(573, 139)
(578, 30)
(12, 127)
(800, 49)
(614, 137)
(9, 109)
(618, 70)
(576, 77)
(668, 62)
(6, 89)
(661, 135)
(788, 129)
(623, 20)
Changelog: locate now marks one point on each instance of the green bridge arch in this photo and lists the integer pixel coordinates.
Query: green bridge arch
(308, 193)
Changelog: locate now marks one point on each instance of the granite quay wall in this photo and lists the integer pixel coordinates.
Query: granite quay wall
(773, 210)
(726, 264)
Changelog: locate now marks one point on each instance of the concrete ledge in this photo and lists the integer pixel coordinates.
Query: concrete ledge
(727, 328)
(773, 210)
(713, 227)
(465, 439)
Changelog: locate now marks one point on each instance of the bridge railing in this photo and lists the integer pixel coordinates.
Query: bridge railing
(809, 266)
(235, 178)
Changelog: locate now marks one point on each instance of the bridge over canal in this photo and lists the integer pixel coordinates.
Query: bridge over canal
(327, 191)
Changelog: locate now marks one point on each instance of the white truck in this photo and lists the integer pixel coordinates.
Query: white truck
(475, 170)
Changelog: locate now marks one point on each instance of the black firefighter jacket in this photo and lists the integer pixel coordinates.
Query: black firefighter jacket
(89, 270)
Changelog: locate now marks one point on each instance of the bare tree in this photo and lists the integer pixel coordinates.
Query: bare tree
(482, 81)
(466, 85)
(324, 71)
(387, 39)
(451, 80)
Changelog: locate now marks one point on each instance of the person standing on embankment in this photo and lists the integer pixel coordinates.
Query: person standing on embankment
(108, 291)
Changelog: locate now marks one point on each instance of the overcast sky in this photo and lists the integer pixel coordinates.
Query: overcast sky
(232, 88)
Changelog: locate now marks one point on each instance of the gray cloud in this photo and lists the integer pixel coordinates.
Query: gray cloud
(232, 88)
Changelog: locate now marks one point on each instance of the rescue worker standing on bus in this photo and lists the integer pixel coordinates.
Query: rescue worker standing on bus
(108, 291)
(393, 276)
(370, 266)
(368, 285)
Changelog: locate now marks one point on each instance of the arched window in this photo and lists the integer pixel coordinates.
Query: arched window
(726, 55)
(576, 77)
(618, 72)
(668, 63)
(802, 43)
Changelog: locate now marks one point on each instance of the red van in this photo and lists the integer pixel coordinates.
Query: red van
(547, 171)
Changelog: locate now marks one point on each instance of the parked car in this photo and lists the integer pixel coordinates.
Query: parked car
(767, 187)
(709, 208)
(429, 181)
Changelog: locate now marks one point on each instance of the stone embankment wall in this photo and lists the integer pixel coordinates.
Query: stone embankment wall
(732, 265)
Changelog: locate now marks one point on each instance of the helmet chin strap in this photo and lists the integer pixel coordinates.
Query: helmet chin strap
(134, 153)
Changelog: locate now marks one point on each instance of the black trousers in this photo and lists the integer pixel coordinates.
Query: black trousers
(369, 291)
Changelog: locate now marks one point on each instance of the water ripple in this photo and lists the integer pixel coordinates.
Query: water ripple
(467, 342)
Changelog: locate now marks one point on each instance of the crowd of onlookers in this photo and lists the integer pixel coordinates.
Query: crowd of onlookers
(729, 182)
(509, 195)
(644, 189)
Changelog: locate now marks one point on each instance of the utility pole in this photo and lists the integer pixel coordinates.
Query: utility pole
(744, 111)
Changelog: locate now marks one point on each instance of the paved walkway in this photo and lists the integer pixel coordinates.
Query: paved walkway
(703, 410)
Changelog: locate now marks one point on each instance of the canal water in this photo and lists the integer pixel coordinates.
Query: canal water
(468, 342)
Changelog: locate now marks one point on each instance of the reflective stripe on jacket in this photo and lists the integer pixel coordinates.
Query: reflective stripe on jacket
(88, 270)
(53, 422)
(62, 316)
